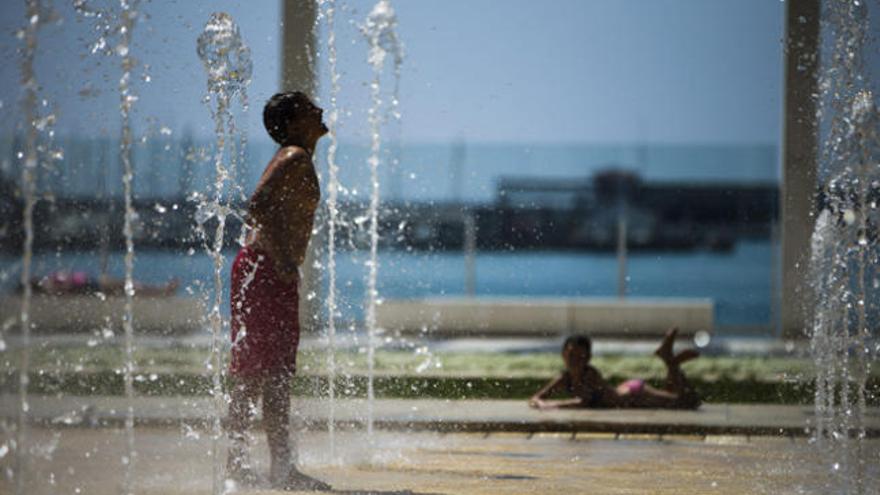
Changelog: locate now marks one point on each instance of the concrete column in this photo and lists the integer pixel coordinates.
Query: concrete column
(799, 153)
(299, 46)
(299, 73)
(470, 254)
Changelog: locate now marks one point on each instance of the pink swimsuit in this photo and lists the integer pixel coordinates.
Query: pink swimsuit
(635, 386)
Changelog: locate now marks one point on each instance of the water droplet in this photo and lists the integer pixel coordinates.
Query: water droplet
(702, 338)
(99, 45)
(42, 123)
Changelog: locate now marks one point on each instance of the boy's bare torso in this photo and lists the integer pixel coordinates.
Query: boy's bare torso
(282, 209)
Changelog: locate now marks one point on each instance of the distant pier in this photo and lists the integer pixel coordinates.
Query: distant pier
(526, 214)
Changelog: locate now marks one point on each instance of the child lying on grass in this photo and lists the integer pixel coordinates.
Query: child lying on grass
(589, 389)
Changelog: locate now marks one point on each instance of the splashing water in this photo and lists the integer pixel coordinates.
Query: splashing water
(28, 183)
(379, 30)
(110, 23)
(333, 219)
(845, 247)
(37, 156)
(227, 61)
(225, 56)
(127, 17)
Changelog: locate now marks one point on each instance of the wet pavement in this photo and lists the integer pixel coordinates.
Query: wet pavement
(178, 461)
(444, 415)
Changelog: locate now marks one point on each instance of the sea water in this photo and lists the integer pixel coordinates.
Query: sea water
(739, 282)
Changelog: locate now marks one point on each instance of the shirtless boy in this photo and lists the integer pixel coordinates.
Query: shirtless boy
(265, 317)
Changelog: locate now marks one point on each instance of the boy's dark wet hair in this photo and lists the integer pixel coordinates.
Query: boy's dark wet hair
(280, 110)
(579, 341)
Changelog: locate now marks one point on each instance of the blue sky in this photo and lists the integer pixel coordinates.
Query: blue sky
(488, 71)
(682, 71)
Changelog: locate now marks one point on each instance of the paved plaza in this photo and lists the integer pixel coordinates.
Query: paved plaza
(445, 416)
(77, 444)
(177, 460)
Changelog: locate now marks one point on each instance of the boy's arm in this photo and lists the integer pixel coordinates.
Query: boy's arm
(284, 175)
(554, 385)
(582, 396)
(575, 403)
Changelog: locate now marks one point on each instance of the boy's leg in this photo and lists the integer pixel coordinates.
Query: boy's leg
(276, 416)
(664, 350)
(242, 406)
(654, 398)
(678, 384)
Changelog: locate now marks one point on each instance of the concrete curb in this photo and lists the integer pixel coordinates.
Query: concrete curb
(443, 416)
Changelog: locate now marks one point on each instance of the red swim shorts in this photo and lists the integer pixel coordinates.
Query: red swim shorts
(265, 317)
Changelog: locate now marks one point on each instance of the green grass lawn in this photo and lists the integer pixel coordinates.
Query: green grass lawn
(464, 375)
(448, 364)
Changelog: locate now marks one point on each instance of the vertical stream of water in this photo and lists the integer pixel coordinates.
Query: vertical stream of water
(333, 218)
(127, 17)
(845, 244)
(110, 23)
(228, 64)
(379, 29)
(28, 186)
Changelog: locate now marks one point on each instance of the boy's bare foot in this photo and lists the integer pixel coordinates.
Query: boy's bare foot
(243, 476)
(664, 352)
(686, 355)
(296, 480)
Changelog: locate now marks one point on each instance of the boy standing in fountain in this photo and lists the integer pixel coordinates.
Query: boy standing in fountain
(265, 316)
